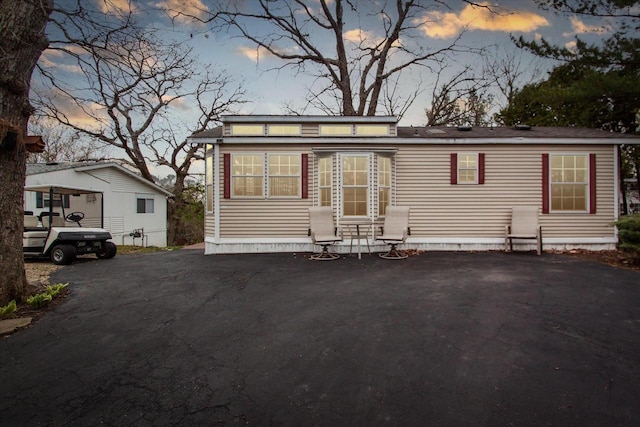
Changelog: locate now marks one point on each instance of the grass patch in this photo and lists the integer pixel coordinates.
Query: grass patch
(130, 249)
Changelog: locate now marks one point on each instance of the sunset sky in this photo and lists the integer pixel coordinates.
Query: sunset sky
(437, 26)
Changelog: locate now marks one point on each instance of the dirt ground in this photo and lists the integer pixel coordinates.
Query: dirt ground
(38, 271)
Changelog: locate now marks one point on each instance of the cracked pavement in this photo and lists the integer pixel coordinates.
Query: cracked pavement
(447, 339)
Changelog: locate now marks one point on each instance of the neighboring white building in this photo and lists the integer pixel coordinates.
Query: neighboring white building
(130, 202)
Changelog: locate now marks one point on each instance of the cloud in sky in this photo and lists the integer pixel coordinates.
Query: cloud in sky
(571, 45)
(449, 24)
(49, 57)
(183, 11)
(258, 53)
(117, 6)
(254, 54)
(580, 27)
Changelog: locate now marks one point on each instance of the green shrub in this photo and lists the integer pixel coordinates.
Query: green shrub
(8, 309)
(629, 234)
(54, 290)
(39, 300)
(44, 298)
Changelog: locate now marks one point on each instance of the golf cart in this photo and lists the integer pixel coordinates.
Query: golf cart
(59, 235)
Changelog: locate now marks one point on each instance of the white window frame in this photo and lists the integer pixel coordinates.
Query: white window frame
(380, 186)
(209, 170)
(147, 198)
(372, 130)
(325, 130)
(298, 176)
(586, 183)
(237, 129)
(331, 180)
(232, 176)
(476, 169)
(370, 196)
(281, 130)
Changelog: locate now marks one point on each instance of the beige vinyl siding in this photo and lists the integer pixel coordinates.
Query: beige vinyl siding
(209, 225)
(265, 217)
(421, 180)
(513, 176)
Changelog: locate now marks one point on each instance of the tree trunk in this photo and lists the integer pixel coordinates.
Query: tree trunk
(173, 207)
(22, 40)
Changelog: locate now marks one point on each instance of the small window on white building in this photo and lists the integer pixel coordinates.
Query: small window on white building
(144, 204)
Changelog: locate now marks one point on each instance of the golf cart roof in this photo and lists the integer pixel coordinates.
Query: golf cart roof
(59, 189)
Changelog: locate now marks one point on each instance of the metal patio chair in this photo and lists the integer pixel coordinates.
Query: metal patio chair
(323, 232)
(395, 231)
(524, 225)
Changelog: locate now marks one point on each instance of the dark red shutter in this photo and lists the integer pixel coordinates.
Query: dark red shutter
(481, 168)
(454, 168)
(545, 183)
(592, 183)
(305, 176)
(227, 176)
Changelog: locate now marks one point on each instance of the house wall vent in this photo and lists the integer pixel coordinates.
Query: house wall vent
(464, 128)
(523, 127)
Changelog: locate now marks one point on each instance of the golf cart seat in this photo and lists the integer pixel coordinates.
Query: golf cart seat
(30, 221)
(49, 221)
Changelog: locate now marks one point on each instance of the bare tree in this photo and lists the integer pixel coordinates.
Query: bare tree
(509, 72)
(351, 70)
(63, 144)
(22, 40)
(460, 99)
(126, 90)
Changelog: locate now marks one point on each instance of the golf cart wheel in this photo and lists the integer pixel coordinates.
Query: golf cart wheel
(63, 254)
(108, 251)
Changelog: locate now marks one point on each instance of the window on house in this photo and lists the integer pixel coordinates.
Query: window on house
(336, 130)
(144, 204)
(284, 130)
(247, 130)
(209, 180)
(284, 175)
(467, 168)
(384, 184)
(247, 175)
(325, 171)
(373, 130)
(569, 182)
(59, 200)
(355, 185)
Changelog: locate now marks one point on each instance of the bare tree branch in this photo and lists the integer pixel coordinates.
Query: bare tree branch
(301, 33)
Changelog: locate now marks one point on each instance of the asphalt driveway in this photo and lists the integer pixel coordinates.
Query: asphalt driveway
(442, 339)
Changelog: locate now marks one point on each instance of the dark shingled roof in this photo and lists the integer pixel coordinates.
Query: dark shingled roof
(506, 132)
(209, 133)
(36, 168)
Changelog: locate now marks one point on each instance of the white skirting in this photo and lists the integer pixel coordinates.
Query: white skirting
(270, 245)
